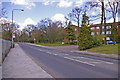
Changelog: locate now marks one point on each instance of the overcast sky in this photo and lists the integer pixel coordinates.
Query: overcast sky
(35, 11)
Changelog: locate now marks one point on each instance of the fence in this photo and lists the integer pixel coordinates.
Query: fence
(5, 47)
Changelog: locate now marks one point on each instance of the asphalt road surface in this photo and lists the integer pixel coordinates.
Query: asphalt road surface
(61, 64)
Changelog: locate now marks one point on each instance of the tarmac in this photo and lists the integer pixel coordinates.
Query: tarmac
(75, 50)
(18, 65)
(111, 56)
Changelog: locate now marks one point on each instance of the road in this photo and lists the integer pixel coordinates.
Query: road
(61, 64)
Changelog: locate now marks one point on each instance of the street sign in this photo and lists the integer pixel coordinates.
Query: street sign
(13, 35)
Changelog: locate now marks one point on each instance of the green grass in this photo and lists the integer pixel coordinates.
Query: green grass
(53, 44)
(108, 49)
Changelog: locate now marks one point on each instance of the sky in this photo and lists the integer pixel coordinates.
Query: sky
(36, 11)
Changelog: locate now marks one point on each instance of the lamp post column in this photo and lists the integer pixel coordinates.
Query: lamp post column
(12, 31)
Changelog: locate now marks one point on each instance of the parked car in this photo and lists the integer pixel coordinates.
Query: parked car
(110, 42)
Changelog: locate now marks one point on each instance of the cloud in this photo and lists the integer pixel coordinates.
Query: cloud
(93, 13)
(19, 2)
(26, 22)
(78, 3)
(48, 2)
(112, 20)
(23, 2)
(64, 3)
(30, 5)
(58, 17)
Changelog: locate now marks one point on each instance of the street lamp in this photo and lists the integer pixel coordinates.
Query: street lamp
(12, 25)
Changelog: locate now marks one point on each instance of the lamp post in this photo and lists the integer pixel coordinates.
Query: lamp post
(12, 25)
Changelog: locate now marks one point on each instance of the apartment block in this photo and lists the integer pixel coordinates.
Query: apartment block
(96, 29)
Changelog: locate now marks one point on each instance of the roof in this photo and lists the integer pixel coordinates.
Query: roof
(95, 25)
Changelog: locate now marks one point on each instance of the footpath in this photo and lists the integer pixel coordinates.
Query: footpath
(18, 65)
(75, 50)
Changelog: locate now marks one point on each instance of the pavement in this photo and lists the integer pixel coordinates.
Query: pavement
(75, 50)
(19, 65)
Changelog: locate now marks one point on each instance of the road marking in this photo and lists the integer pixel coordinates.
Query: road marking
(49, 52)
(105, 62)
(55, 54)
(95, 60)
(76, 57)
(79, 61)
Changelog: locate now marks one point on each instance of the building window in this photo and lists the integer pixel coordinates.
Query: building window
(108, 32)
(102, 27)
(103, 32)
(92, 33)
(97, 27)
(107, 38)
(92, 28)
(103, 38)
(75, 29)
(97, 33)
(108, 27)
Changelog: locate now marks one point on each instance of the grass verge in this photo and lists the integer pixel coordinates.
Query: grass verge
(108, 49)
(53, 44)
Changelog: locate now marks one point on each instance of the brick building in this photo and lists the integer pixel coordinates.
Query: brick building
(75, 31)
(96, 30)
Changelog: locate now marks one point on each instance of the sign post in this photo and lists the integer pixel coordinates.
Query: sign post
(13, 36)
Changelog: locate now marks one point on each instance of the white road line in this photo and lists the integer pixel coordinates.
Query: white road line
(105, 62)
(78, 57)
(55, 54)
(84, 58)
(109, 62)
(49, 52)
(79, 61)
(96, 60)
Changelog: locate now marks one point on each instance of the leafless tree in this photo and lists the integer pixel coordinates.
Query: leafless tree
(75, 15)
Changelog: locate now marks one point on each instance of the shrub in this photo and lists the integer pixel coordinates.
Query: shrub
(98, 40)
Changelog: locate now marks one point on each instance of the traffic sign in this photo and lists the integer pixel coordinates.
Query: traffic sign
(13, 35)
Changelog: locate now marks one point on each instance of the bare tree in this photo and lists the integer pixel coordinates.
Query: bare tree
(75, 15)
(3, 13)
(114, 9)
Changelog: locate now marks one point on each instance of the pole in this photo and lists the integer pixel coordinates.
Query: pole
(12, 26)
(12, 30)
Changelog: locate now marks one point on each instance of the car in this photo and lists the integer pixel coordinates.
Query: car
(110, 42)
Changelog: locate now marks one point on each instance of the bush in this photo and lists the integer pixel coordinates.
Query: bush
(98, 40)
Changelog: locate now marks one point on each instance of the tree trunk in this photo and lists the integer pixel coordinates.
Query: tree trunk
(104, 27)
(102, 8)
(114, 27)
(78, 23)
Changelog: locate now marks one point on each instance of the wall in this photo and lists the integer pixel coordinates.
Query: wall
(5, 47)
